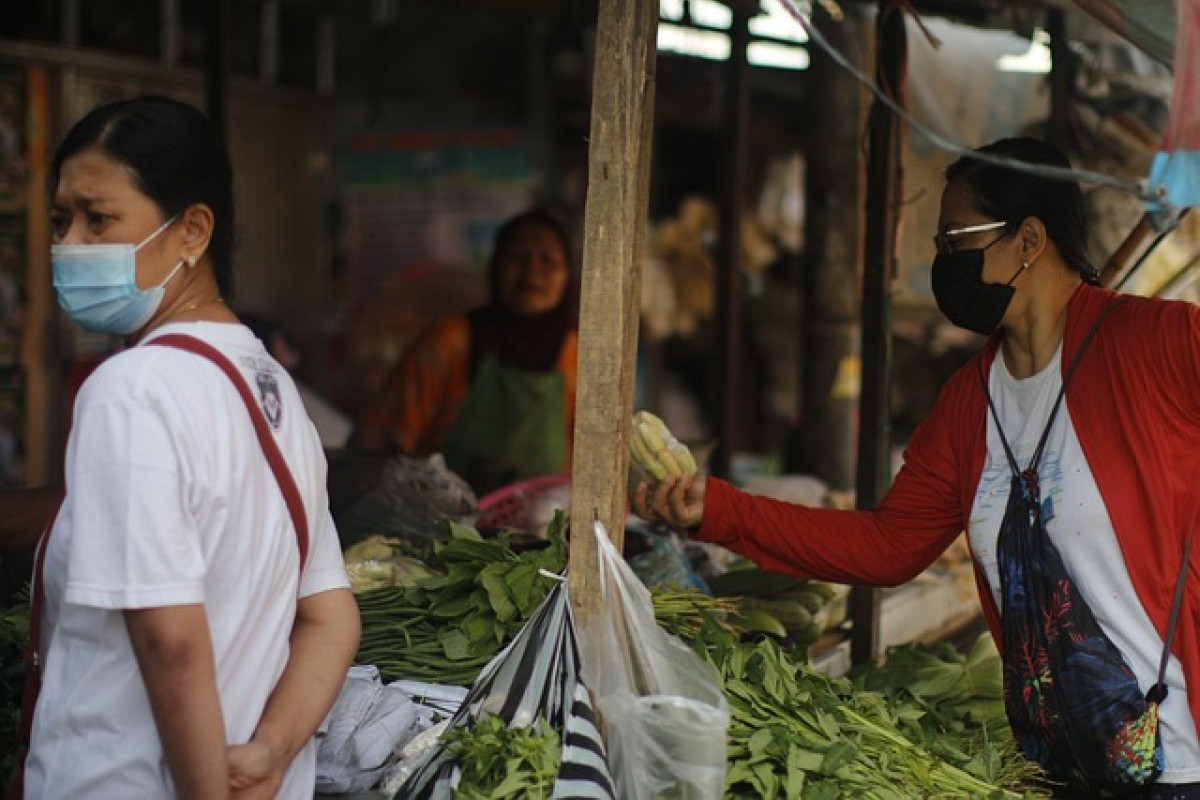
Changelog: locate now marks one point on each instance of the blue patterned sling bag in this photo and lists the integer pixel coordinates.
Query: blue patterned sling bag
(1072, 700)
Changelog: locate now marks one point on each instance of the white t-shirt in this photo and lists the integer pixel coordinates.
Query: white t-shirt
(1078, 523)
(170, 501)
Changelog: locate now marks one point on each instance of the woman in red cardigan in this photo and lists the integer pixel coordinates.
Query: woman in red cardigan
(1115, 479)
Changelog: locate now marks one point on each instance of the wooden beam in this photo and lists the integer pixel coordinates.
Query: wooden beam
(613, 247)
(42, 454)
(728, 317)
(884, 182)
(216, 64)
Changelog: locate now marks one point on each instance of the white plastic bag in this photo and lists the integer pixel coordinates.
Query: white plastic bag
(661, 705)
(366, 726)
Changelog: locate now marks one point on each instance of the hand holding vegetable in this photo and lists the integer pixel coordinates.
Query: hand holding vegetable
(677, 501)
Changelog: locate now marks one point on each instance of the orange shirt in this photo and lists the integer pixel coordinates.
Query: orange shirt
(424, 393)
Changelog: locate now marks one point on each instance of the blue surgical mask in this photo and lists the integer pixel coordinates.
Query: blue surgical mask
(97, 285)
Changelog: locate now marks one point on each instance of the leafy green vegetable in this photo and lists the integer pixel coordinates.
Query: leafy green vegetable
(448, 626)
(502, 762)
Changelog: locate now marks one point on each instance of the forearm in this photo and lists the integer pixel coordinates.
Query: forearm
(24, 515)
(323, 643)
(175, 657)
(854, 547)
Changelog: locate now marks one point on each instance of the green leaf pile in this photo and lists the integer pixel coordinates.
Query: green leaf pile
(796, 733)
(502, 763)
(449, 626)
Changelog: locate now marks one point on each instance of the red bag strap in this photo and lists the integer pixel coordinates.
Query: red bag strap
(33, 669)
(283, 476)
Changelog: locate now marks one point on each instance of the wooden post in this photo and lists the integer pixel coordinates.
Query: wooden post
(833, 254)
(1061, 80)
(216, 65)
(728, 317)
(884, 182)
(613, 247)
(43, 454)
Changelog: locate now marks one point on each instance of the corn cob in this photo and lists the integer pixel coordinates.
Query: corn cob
(656, 452)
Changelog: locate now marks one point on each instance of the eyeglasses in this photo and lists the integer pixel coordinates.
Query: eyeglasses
(941, 239)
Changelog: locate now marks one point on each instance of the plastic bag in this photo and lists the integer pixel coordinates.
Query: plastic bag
(662, 706)
(411, 497)
(375, 563)
(660, 561)
(366, 726)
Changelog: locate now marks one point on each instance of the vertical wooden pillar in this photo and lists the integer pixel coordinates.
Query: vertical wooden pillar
(613, 248)
(884, 183)
(216, 66)
(833, 253)
(1062, 79)
(728, 315)
(43, 450)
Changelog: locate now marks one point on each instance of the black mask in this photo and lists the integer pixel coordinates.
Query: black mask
(962, 295)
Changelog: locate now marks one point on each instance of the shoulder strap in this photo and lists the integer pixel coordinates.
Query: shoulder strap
(1158, 691)
(283, 476)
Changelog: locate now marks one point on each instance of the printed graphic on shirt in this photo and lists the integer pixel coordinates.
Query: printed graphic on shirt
(268, 398)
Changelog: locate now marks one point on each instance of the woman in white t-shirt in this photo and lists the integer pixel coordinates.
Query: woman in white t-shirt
(188, 648)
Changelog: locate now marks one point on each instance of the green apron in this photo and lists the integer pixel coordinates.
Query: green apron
(513, 426)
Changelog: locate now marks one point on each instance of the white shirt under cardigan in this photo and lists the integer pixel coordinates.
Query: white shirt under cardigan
(1078, 523)
(170, 501)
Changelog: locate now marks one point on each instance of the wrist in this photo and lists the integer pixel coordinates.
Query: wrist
(277, 745)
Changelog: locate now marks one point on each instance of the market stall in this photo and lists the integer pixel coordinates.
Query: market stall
(789, 725)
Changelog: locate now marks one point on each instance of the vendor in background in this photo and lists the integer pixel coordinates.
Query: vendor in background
(493, 390)
(187, 648)
(1113, 480)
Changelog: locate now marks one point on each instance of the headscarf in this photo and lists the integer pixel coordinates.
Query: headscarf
(531, 343)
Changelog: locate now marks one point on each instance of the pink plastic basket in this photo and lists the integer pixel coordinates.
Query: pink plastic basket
(509, 506)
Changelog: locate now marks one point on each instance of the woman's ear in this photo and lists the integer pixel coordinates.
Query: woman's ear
(1033, 239)
(197, 232)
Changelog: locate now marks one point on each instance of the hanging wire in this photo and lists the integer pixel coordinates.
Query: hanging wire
(1141, 189)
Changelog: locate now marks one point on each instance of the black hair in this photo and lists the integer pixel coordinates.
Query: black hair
(176, 158)
(1011, 195)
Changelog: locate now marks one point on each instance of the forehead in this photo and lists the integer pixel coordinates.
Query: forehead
(92, 176)
(532, 234)
(958, 206)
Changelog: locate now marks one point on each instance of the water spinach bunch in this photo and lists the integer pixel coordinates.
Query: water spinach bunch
(796, 733)
(447, 627)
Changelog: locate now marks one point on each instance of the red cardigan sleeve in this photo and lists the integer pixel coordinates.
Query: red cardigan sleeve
(920, 516)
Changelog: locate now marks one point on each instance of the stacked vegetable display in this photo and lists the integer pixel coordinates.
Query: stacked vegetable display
(795, 611)
(928, 723)
(446, 626)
